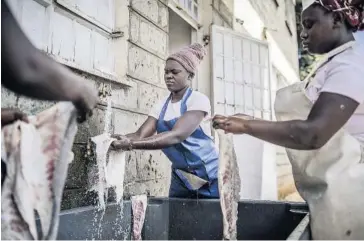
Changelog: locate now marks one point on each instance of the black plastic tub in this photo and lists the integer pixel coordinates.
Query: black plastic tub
(181, 219)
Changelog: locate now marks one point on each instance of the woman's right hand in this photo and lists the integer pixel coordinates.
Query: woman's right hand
(122, 143)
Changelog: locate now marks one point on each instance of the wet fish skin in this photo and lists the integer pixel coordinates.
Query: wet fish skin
(229, 185)
(139, 206)
(37, 172)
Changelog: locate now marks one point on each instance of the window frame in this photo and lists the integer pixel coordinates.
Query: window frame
(87, 18)
(262, 90)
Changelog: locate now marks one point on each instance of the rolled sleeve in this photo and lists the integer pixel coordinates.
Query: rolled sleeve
(346, 78)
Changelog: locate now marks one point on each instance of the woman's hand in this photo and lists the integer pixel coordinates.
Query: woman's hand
(9, 115)
(235, 124)
(122, 143)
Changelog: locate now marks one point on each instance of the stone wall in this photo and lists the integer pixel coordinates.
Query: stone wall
(147, 171)
(139, 63)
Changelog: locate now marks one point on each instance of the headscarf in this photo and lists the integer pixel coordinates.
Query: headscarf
(353, 10)
(189, 57)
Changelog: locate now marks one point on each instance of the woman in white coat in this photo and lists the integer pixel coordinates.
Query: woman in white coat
(321, 121)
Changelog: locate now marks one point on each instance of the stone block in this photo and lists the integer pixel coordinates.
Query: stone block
(148, 8)
(153, 10)
(93, 126)
(147, 35)
(152, 165)
(145, 66)
(77, 169)
(156, 188)
(163, 16)
(125, 96)
(149, 96)
(134, 29)
(8, 98)
(33, 107)
(125, 122)
(131, 166)
(74, 198)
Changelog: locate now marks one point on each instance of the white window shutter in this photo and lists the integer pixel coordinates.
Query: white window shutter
(241, 84)
(240, 73)
(68, 39)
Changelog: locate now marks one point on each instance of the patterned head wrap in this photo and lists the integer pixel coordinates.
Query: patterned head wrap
(189, 57)
(353, 10)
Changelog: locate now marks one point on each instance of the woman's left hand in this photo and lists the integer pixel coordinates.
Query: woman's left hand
(122, 143)
(235, 124)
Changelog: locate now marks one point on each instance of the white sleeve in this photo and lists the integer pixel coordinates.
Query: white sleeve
(157, 108)
(346, 78)
(199, 101)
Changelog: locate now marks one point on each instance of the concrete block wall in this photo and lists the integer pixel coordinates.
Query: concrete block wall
(139, 62)
(146, 171)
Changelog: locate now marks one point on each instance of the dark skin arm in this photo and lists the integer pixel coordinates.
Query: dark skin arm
(184, 127)
(147, 129)
(329, 114)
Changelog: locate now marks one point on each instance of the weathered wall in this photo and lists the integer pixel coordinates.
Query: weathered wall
(132, 67)
(147, 171)
(139, 60)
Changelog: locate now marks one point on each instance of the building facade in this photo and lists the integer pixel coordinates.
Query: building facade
(121, 46)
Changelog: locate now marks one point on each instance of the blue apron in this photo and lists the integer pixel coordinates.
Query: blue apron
(196, 155)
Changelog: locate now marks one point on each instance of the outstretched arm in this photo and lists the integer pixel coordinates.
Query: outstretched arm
(184, 127)
(147, 129)
(328, 115)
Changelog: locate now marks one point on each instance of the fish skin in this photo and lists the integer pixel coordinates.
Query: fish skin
(139, 206)
(51, 134)
(229, 185)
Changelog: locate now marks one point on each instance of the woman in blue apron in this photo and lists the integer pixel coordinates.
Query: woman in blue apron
(182, 134)
(321, 121)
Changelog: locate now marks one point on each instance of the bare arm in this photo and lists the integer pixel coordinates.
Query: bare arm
(146, 130)
(184, 127)
(328, 115)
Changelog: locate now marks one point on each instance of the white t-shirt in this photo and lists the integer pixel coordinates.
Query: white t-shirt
(359, 37)
(196, 101)
(344, 75)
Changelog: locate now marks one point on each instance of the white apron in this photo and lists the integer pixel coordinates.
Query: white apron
(330, 179)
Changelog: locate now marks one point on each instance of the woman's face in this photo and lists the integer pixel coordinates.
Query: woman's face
(175, 76)
(320, 30)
